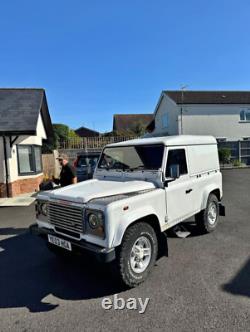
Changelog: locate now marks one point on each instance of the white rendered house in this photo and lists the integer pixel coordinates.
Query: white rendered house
(222, 114)
(24, 123)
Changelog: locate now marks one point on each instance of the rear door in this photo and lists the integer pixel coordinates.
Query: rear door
(179, 192)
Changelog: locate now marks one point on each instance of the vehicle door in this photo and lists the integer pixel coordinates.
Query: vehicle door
(178, 186)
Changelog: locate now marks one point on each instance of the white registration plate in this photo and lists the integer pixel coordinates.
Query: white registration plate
(59, 242)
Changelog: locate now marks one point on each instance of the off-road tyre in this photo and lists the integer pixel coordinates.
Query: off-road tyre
(207, 220)
(140, 231)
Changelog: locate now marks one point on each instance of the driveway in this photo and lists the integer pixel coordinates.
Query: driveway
(204, 284)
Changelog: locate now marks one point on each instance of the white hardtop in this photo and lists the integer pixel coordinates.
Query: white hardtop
(169, 140)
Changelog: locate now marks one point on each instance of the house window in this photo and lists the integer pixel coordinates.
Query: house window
(29, 159)
(164, 121)
(178, 157)
(245, 115)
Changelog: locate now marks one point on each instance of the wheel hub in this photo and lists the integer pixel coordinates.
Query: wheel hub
(140, 254)
(212, 213)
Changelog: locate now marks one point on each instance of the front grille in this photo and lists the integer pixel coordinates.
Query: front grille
(66, 217)
(67, 232)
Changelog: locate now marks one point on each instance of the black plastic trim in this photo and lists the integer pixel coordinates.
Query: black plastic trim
(100, 253)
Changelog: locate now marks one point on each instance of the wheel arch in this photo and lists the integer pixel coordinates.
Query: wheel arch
(153, 220)
(210, 190)
(217, 193)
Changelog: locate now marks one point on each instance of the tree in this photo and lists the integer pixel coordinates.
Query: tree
(72, 134)
(61, 132)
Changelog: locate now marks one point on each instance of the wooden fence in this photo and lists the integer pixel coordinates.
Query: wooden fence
(50, 165)
(91, 143)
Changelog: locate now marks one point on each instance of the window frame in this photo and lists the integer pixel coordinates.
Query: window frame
(33, 146)
(131, 145)
(168, 149)
(165, 120)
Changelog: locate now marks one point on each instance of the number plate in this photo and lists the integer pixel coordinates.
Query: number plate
(59, 242)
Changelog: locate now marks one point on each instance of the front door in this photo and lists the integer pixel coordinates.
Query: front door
(179, 192)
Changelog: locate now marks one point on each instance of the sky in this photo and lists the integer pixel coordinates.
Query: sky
(99, 58)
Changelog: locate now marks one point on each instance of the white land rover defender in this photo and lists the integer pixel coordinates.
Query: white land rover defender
(140, 189)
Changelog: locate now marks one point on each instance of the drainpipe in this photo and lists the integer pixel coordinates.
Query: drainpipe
(6, 167)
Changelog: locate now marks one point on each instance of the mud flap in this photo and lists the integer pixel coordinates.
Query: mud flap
(222, 210)
(162, 244)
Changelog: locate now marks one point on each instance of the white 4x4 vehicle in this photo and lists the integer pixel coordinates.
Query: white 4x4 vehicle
(140, 189)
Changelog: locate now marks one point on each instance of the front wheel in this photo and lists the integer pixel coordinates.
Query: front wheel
(137, 253)
(207, 219)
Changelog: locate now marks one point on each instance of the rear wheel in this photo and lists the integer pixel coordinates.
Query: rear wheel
(137, 254)
(207, 219)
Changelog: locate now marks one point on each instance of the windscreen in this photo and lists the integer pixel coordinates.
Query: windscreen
(138, 157)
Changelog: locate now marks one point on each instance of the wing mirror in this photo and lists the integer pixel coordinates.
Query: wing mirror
(174, 172)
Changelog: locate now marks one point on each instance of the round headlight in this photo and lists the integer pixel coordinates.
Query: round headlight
(94, 221)
(44, 209)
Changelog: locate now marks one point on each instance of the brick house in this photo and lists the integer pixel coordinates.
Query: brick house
(86, 132)
(24, 123)
(124, 123)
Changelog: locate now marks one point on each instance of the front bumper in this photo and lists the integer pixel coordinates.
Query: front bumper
(101, 254)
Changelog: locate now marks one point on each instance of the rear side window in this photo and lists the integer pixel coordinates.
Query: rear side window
(178, 157)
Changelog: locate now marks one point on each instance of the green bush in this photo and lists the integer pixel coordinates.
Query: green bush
(236, 163)
(224, 155)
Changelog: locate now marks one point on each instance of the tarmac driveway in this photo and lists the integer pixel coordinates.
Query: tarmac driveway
(203, 284)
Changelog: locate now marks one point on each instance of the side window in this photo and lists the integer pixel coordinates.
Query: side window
(177, 156)
(29, 159)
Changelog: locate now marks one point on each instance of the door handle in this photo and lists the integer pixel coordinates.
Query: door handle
(188, 191)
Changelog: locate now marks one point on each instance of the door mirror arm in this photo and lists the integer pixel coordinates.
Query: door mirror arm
(167, 180)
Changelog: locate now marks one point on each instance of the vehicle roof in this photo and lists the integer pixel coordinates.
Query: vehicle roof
(169, 140)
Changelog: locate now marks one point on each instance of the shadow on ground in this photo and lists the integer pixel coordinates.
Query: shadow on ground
(12, 231)
(29, 272)
(189, 226)
(240, 284)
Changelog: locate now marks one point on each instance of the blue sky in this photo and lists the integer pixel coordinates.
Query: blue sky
(97, 58)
